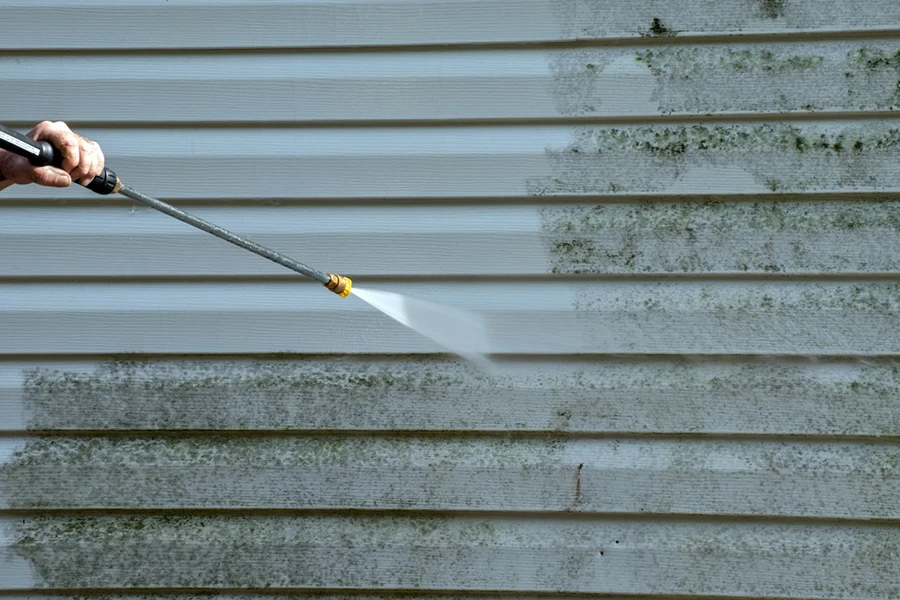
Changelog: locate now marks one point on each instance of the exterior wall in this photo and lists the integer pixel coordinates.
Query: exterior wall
(680, 220)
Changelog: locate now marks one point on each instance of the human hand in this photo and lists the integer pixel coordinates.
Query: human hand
(82, 158)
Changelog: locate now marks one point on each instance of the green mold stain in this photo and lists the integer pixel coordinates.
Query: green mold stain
(874, 59)
(288, 451)
(676, 237)
(774, 78)
(576, 81)
(881, 298)
(782, 158)
(657, 29)
(191, 551)
(882, 66)
(285, 394)
(677, 62)
(773, 9)
(206, 472)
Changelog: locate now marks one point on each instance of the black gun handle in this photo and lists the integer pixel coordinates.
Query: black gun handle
(43, 153)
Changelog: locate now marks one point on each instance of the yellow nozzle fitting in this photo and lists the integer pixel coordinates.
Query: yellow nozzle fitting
(339, 284)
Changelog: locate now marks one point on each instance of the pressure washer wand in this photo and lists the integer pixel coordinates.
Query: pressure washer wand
(338, 284)
(43, 153)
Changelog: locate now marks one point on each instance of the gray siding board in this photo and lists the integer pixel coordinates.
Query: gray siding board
(818, 236)
(462, 553)
(683, 477)
(540, 317)
(773, 397)
(644, 81)
(353, 23)
(502, 162)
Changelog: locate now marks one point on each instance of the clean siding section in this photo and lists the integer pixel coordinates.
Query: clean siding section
(678, 218)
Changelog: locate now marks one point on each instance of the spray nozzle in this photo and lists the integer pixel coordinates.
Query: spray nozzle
(339, 284)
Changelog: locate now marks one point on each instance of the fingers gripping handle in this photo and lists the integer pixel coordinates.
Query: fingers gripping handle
(43, 153)
(104, 184)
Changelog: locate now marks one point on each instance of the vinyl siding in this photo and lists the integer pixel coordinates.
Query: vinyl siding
(176, 24)
(679, 221)
(852, 76)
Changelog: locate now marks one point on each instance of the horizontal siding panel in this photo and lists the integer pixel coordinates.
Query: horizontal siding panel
(296, 23)
(289, 23)
(500, 162)
(675, 317)
(14, 414)
(855, 236)
(783, 479)
(417, 239)
(441, 553)
(486, 84)
(824, 397)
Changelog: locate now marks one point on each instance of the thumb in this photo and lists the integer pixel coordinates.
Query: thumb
(51, 177)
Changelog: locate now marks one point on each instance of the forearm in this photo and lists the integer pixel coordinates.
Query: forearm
(4, 183)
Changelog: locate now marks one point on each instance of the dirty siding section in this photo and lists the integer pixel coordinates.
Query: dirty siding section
(680, 220)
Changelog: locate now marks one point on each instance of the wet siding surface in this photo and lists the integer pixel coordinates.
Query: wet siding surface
(680, 221)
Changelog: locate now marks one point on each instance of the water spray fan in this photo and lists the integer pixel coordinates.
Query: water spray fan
(459, 331)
